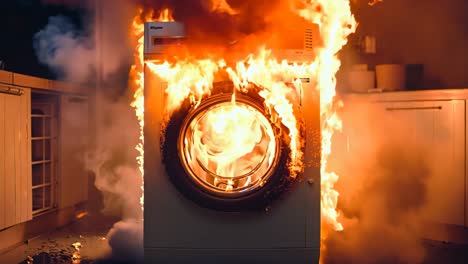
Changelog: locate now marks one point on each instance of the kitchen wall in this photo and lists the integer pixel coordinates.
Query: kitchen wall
(429, 32)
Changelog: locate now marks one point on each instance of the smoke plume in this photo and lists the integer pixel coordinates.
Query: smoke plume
(99, 54)
(383, 190)
(68, 53)
(77, 52)
(117, 176)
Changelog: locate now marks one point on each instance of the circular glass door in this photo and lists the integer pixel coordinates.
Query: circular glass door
(226, 155)
(228, 148)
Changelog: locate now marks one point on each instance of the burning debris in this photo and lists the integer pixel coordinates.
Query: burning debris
(76, 254)
(59, 248)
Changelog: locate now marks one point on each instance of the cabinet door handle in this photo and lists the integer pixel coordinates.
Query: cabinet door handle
(413, 108)
(77, 100)
(11, 90)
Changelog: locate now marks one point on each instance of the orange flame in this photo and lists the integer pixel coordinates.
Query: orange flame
(219, 144)
(193, 79)
(137, 82)
(222, 6)
(336, 24)
(76, 255)
(165, 16)
(196, 80)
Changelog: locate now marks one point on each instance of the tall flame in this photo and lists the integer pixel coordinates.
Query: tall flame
(164, 16)
(193, 78)
(137, 82)
(336, 24)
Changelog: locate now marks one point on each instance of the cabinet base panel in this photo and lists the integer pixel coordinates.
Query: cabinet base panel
(232, 256)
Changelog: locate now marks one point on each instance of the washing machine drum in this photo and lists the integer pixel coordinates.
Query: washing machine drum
(227, 155)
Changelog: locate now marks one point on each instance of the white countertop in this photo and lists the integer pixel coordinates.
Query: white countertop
(414, 95)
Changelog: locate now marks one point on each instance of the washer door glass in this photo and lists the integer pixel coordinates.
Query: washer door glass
(228, 148)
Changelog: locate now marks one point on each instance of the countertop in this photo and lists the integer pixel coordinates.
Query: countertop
(12, 79)
(409, 95)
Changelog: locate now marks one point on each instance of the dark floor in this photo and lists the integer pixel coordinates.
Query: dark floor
(442, 252)
(84, 241)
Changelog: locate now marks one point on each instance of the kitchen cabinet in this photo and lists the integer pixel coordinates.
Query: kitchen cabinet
(426, 124)
(73, 179)
(15, 157)
(436, 129)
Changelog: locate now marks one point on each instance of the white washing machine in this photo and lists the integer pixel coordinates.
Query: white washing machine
(196, 214)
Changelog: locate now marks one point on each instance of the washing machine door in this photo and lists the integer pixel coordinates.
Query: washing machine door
(226, 154)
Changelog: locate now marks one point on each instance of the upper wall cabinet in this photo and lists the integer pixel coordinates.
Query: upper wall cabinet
(15, 157)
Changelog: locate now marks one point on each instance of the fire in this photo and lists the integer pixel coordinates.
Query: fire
(278, 83)
(76, 256)
(258, 70)
(165, 16)
(336, 24)
(222, 6)
(193, 79)
(137, 81)
(81, 215)
(185, 79)
(219, 143)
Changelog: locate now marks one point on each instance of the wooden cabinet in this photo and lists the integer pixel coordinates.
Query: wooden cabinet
(429, 127)
(73, 179)
(43, 143)
(15, 158)
(436, 130)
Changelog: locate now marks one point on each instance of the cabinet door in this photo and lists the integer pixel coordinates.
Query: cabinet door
(15, 159)
(437, 130)
(73, 178)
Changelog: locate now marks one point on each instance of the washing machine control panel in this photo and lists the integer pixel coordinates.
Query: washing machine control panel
(161, 35)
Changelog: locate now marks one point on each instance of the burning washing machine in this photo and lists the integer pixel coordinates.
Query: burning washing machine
(200, 208)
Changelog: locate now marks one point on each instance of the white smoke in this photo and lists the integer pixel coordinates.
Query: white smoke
(118, 178)
(70, 54)
(100, 54)
(102, 45)
(126, 240)
(383, 190)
